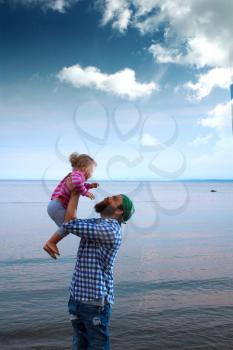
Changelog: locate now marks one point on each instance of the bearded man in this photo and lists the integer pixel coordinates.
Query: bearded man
(91, 288)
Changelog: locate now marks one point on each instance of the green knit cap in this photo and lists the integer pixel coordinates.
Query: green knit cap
(128, 208)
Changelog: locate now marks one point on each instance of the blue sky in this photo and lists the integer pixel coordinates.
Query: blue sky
(142, 86)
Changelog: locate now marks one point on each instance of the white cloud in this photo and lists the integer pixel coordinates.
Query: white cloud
(118, 13)
(56, 5)
(219, 117)
(121, 83)
(201, 140)
(199, 52)
(218, 163)
(200, 30)
(149, 140)
(203, 52)
(164, 55)
(216, 77)
(59, 5)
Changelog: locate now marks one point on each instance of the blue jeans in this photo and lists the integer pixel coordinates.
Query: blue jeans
(56, 211)
(90, 325)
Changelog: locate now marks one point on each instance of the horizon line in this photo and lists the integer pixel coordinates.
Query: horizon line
(131, 180)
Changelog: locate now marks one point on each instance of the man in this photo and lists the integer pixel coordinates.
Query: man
(91, 289)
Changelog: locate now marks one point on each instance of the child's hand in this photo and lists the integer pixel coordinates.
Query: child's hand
(90, 195)
(94, 185)
(51, 249)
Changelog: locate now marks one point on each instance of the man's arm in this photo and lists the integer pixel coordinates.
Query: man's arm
(51, 245)
(92, 230)
(89, 229)
(71, 210)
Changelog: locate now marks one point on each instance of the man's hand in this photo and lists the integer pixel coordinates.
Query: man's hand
(70, 185)
(94, 185)
(51, 249)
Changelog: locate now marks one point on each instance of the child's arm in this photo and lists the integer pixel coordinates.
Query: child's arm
(79, 184)
(92, 185)
(88, 186)
(51, 245)
(82, 187)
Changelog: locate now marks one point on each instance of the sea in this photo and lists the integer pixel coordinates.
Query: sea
(173, 273)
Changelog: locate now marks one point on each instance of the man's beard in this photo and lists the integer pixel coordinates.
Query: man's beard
(105, 209)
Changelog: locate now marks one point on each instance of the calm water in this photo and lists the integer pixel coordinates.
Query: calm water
(173, 274)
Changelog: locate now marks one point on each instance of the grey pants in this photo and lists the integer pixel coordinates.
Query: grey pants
(56, 211)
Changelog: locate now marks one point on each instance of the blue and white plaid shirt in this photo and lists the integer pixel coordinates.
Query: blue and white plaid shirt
(93, 274)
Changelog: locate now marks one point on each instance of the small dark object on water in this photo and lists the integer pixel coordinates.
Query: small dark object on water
(213, 191)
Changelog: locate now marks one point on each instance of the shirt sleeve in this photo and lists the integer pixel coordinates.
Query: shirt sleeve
(87, 185)
(91, 229)
(79, 184)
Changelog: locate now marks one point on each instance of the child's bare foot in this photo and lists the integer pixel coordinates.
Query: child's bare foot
(51, 249)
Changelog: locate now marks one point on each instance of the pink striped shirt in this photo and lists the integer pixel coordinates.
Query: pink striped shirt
(62, 191)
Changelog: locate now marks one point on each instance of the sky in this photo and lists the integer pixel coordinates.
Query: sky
(142, 86)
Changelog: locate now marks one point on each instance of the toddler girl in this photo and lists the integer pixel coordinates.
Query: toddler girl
(83, 167)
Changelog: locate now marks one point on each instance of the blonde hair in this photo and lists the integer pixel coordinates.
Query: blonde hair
(81, 161)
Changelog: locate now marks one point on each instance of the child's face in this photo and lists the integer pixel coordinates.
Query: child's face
(89, 171)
